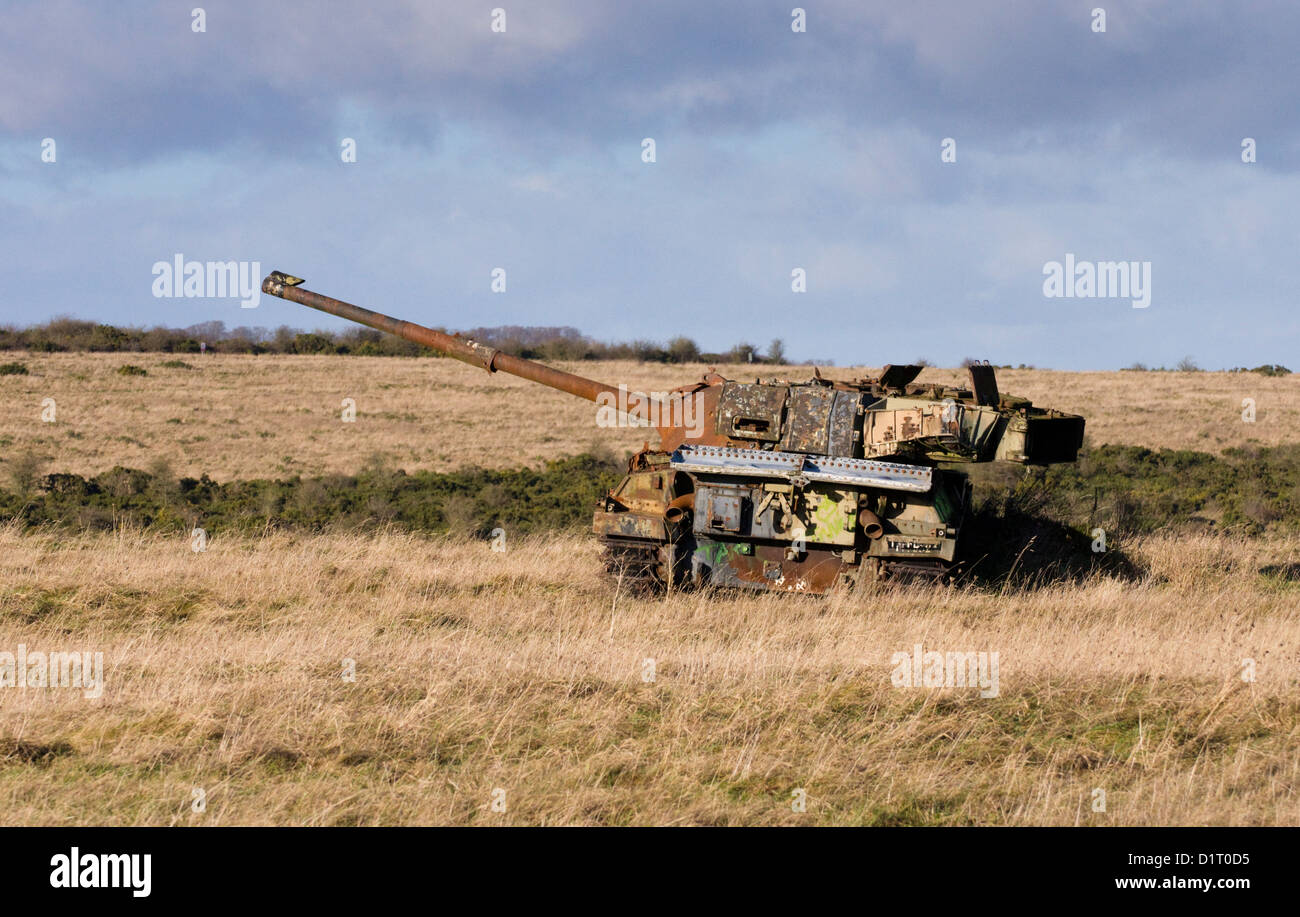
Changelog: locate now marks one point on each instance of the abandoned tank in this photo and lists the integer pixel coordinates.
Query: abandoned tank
(779, 485)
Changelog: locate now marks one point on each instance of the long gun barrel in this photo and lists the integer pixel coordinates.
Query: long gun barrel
(467, 351)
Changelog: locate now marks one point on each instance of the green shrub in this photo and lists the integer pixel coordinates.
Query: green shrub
(560, 495)
(1122, 489)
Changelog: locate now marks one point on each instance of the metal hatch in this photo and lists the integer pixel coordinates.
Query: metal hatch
(751, 411)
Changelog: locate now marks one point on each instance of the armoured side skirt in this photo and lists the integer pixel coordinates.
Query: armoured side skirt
(746, 565)
(766, 568)
(791, 465)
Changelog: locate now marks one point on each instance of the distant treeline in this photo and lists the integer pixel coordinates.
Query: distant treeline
(534, 343)
(1188, 365)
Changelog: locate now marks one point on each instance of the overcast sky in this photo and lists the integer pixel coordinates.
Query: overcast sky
(775, 150)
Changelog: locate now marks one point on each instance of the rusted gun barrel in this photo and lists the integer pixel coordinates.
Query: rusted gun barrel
(467, 351)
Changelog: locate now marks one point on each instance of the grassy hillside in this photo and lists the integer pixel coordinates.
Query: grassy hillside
(526, 679)
(523, 672)
(234, 416)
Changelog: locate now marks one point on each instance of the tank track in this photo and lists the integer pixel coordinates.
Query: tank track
(641, 566)
(635, 564)
(913, 571)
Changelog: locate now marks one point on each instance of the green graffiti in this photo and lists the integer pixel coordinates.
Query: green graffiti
(829, 521)
(717, 553)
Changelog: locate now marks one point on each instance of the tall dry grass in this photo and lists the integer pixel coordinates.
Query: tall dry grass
(523, 671)
(242, 416)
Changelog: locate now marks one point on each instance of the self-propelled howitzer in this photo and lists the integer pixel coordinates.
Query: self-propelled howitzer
(772, 484)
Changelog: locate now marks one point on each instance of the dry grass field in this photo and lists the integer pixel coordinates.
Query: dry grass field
(524, 672)
(265, 416)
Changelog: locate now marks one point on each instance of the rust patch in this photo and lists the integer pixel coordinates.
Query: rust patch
(816, 572)
(630, 525)
(808, 419)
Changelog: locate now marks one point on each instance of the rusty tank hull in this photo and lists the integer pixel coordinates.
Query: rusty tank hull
(773, 485)
(769, 520)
